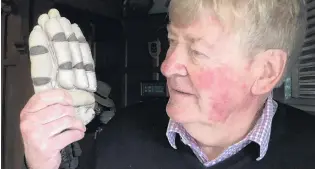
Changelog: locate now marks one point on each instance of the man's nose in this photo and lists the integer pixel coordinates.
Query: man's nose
(174, 64)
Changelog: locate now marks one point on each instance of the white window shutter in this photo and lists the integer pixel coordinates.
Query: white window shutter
(306, 62)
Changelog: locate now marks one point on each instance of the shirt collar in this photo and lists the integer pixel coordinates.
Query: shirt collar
(260, 134)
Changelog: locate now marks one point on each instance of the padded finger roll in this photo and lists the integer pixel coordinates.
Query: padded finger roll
(42, 69)
(85, 114)
(56, 34)
(87, 58)
(84, 102)
(81, 97)
(80, 80)
(42, 19)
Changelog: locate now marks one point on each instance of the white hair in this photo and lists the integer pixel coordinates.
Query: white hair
(259, 24)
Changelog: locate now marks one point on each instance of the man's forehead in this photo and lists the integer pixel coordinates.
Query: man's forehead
(192, 31)
(207, 28)
(198, 26)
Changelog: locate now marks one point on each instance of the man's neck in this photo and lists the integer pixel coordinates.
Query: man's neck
(213, 152)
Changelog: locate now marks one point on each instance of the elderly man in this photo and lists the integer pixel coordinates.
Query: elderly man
(225, 58)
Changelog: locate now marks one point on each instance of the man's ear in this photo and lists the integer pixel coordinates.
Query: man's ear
(268, 69)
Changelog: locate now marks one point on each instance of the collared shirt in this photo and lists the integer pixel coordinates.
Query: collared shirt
(260, 134)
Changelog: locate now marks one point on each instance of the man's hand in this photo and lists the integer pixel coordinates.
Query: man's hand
(64, 80)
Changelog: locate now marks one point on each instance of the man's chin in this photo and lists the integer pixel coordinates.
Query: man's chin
(179, 115)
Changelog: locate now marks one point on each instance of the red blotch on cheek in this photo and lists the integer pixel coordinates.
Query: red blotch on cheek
(205, 80)
(217, 110)
(223, 90)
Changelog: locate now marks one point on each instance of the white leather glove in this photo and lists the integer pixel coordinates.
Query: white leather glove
(61, 58)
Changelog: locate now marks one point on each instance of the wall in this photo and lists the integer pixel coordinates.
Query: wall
(16, 83)
(139, 31)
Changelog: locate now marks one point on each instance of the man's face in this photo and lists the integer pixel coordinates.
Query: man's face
(207, 73)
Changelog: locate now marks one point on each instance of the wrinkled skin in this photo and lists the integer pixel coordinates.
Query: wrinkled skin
(43, 120)
(209, 81)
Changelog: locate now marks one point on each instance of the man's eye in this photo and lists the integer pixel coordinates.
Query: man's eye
(196, 53)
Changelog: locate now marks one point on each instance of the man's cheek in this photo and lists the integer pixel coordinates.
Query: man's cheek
(218, 107)
(220, 92)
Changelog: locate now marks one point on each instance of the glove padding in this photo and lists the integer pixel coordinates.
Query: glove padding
(61, 59)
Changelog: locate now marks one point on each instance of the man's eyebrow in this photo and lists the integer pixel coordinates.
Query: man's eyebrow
(192, 37)
(189, 37)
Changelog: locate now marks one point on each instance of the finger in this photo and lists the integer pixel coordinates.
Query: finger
(42, 69)
(60, 141)
(87, 58)
(51, 113)
(47, 98)
(81, 97)
(81, 81)
(60, 125)
(85, 114)
(60, 44)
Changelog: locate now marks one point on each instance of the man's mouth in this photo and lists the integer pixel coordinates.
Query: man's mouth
(181, 92)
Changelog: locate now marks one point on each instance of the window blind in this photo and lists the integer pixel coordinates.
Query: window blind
(306, 61)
